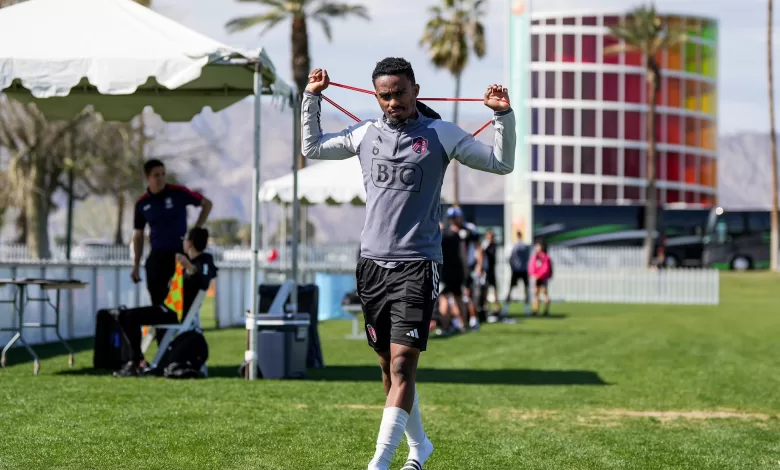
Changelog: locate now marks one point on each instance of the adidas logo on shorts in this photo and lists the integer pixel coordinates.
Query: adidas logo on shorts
(413, 334)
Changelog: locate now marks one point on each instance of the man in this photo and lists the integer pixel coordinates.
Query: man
(404, 156)
(518, 262)
(199, 270)
(489, 269)
(164, 208)
(469, 236)
(451, 280)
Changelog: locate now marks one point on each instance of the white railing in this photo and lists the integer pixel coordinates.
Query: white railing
(581, 275)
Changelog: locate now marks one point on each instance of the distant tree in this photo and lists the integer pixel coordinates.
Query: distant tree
(225, 232)
(300, 12)
(454, 31)
(644, 31)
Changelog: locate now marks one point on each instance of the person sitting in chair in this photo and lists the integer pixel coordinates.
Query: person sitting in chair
(198, 271)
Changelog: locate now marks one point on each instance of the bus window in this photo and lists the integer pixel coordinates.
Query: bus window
(721, 232)
(758, 222)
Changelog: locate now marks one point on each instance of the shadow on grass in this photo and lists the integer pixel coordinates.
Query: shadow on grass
(19, 355)
(466, 376)
(448, 376)
(526, 377)
(552, 316)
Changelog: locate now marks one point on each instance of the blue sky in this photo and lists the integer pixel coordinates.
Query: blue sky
(396, 27)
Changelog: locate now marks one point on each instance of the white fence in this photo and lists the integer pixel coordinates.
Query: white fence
(581, 275)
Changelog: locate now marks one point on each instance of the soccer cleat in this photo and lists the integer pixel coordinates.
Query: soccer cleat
(129, 370)
(412, 464)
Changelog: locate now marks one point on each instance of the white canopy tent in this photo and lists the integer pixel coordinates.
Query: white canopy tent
(120, 57)
(329, 182)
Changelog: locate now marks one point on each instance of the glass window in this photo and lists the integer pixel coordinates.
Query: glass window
(535, 47)
(692, 95)
(611, 86)
(759, 221)
(609, 161)
(691, 197)
(549, 85)
(589, 48)
(549, 122)
(609, 193)
(567, 192)
(569, 48)
(633, 123)
(673, 91)
(673, 166)
(567, 159)
(587, 192)
(567, 122)
(534, 157)
(534, 191)
(611, 20)
(691, 169)
(549, 158)
(673, 129)
(588, 85)
(588, 160)
(590, 21)
(588, 122)
(550, 49)
(610, 124)
(536, 121)
(691, 137)
(633, 59)
(632, 164)
(611, 58)
(550, 21)
(534, 84)
(692, 58)
(634, 85)
(549, 192)
(569, 85)
(569, 21)
(672, 196)
(632, 193)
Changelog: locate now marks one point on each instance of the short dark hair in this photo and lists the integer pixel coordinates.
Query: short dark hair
(151, 165)
(393, 66)
(199, 237)
(519, 234)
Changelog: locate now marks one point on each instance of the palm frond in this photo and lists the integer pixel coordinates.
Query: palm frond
(268, 19)
(614, 49)
(325, 26)
(478, 40)
(280, 4)
(341, 10)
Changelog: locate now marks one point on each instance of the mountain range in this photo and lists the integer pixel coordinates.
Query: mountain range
(214, 154)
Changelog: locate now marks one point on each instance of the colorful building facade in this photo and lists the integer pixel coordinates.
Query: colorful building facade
(587, 125)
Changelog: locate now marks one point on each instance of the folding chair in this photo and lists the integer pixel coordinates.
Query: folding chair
(190, 322)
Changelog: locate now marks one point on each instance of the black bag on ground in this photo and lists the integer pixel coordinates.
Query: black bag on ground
(112, 349)
(185, 356)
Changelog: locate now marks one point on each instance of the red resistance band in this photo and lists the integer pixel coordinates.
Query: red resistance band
(369, 92)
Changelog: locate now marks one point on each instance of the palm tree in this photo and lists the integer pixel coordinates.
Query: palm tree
(644, 31)
(299, 11)
(454, 30)
(774, 244)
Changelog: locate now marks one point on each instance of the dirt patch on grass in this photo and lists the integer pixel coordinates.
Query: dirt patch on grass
(697, 415)
(613, 417)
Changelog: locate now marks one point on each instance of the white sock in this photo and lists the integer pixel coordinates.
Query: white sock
(420, 447)
(391, 431)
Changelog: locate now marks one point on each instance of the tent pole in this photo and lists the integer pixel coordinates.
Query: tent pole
(251, 355)
(296, 110)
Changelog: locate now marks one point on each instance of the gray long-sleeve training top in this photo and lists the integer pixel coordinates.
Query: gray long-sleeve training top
(403, 171)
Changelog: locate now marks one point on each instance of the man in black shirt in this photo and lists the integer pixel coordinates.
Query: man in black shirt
(199, 270)
(164, 208)
(489, 269)
(452, 278)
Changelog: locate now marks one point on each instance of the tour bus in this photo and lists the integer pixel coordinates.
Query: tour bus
(605, 225)
(737, 239)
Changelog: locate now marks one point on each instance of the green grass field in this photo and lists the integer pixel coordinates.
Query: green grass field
(597, 387)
